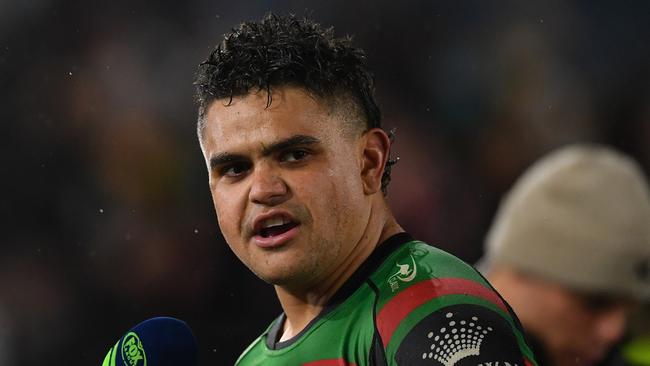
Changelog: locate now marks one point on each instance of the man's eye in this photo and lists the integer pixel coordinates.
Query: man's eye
(294, 155)
(234, 170)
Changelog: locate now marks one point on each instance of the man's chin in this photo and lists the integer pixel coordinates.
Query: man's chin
(277, 279)
(288, 282)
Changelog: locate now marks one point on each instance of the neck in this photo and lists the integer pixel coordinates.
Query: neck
(303, 305)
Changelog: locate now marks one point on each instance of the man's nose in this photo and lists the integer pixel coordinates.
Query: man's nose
(267, 187)
(611, 324)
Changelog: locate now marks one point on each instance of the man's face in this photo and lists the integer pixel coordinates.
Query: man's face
(285, 182)
(576, 328)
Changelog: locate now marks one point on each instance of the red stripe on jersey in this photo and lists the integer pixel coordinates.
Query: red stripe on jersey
(406, 301)
(527, 362)
(334, 362)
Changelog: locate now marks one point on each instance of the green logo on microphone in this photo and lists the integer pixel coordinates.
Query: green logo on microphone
(132, 351)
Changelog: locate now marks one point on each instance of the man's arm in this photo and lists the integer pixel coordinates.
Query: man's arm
(462, 334)
(434, 309)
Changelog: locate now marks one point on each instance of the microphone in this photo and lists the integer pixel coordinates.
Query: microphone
(161, 341)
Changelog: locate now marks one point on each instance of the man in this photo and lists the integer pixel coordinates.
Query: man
(298, 164)
(570, 250)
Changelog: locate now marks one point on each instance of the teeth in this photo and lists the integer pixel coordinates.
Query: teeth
(274, 221)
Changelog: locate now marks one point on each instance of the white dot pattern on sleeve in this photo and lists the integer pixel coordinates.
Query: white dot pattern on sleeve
(465, 341)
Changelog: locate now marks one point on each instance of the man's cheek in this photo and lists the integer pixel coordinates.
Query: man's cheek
(224, 221)
(315, 194)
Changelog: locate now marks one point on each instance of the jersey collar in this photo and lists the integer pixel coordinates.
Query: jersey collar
(362, 273)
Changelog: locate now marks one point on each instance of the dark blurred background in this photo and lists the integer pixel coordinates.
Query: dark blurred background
(106, 215)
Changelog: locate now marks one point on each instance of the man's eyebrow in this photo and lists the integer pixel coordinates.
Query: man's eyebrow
(292, 141)
(295, 140)
(225, 158)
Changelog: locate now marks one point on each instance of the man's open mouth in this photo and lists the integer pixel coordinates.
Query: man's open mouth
(275, 226)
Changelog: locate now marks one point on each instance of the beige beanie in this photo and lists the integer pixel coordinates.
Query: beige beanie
(580, 217)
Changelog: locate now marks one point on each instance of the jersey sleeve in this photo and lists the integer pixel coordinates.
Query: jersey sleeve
(461, 335)
(434, 309)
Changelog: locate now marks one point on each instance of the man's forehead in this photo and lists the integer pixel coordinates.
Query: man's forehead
(248, 124)
(256, 108)
(280, 99)
(290, 109)
(251, 124)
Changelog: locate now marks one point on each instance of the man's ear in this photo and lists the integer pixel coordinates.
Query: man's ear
(376, 147)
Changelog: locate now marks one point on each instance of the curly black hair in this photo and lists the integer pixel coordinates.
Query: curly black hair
(285, 50)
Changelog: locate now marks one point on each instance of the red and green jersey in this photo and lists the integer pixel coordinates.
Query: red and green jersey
(408, 304)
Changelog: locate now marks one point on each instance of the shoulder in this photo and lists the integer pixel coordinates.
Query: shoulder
(433, 305)
(417, 261)
(254, 354)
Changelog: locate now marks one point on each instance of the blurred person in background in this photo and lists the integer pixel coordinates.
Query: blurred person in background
(569, 249)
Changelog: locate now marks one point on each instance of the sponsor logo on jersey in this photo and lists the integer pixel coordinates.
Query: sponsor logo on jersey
(405, 273)
(132, 351)
(460, 338)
